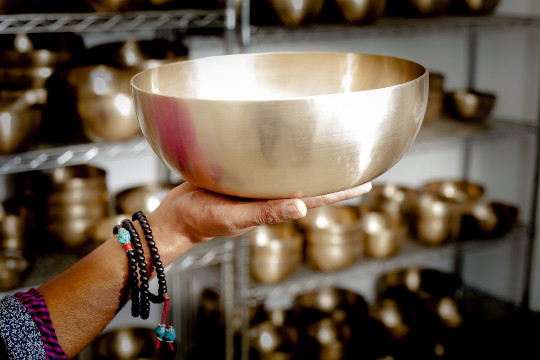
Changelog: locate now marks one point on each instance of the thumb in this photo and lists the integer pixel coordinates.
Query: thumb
(273, 211)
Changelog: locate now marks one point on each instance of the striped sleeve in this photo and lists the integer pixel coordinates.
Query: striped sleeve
(35, 304)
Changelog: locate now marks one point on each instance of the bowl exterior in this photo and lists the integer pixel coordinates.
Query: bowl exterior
(291, 147)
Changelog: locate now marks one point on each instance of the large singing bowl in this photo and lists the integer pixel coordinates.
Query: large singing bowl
(277, 125)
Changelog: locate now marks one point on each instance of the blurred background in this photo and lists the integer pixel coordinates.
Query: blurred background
(73, 162)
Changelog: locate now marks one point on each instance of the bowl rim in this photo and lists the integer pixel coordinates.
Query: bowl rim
(138, 89)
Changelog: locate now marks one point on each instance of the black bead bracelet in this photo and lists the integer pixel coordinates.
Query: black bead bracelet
(140, 294)
(133, 278)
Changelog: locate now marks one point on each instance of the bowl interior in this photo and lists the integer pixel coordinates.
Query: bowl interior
(276, 76)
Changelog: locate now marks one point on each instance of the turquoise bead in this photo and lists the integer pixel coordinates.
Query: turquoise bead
(160, 331)
(123, 236)
(170, 335)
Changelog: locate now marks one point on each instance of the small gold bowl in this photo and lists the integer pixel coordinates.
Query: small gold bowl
(470, 105)
(382, 237)
(417, 8)
(275, 252)
(21, 116)
(434, 220)
(129, 343)
(104, 103)
(145, 198)
(297, 12)
(334, 239)
(363, 12)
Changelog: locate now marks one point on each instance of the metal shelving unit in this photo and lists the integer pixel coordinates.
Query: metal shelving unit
(182, 19)
(386, 26)
(51, 157)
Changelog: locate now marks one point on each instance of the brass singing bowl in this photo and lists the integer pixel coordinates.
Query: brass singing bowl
(418, 7)
(138, 55)
(296, 12)
(473, 7)
(21, 116)
(334, 239)
(128, 343)
(275, 252)
(104, 103)
(39, 49)
(470, 105)
(145, 198)
(276, 125)
(365, 11)
(382, 237)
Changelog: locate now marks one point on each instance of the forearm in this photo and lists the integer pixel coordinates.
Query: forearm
(89, 294)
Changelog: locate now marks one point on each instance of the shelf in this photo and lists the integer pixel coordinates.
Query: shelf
(306, 279)
(394, 26)
(48, 158)
(183, 19)
(449, 132)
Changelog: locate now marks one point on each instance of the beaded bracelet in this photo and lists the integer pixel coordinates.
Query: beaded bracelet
(144, 302)
(124, 238)
(141, 296)
(164, 331)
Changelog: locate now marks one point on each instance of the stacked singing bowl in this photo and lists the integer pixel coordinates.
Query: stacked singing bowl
(276, 125)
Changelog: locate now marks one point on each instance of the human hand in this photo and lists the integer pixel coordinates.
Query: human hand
(202, 215)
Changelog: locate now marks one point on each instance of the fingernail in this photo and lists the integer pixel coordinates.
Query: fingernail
(295, 210)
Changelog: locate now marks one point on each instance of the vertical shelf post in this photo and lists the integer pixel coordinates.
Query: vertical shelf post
(532, 233)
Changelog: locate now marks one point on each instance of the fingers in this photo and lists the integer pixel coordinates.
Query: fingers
(322, 200)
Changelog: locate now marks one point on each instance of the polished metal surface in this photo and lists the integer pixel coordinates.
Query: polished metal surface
(296, 12)
(363, 11)
(20, 118)
(282, 124)
(275, 252)
(470, 105)
(104, 103)
(334, 239)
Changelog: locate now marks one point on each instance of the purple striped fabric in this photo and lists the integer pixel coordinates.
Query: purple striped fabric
(34, 303)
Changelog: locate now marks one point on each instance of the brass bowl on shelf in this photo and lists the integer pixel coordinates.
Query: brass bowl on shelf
(25, 78)
(21, 116)
(434, 220)
(275, 252)
(333, 237)
(103, 102)
(14, 268)
(70, 178)
(488, 219)
(367, 11)
(392, 199)
(145, 198)
(296, 12)
(461, 191)
(418, 8)
(294, 124)
(138, 55)
(435, 105)
(382, 237)
(39, 49)
(470, 105)
(473, 7)
(128, 343)
(73, 198)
